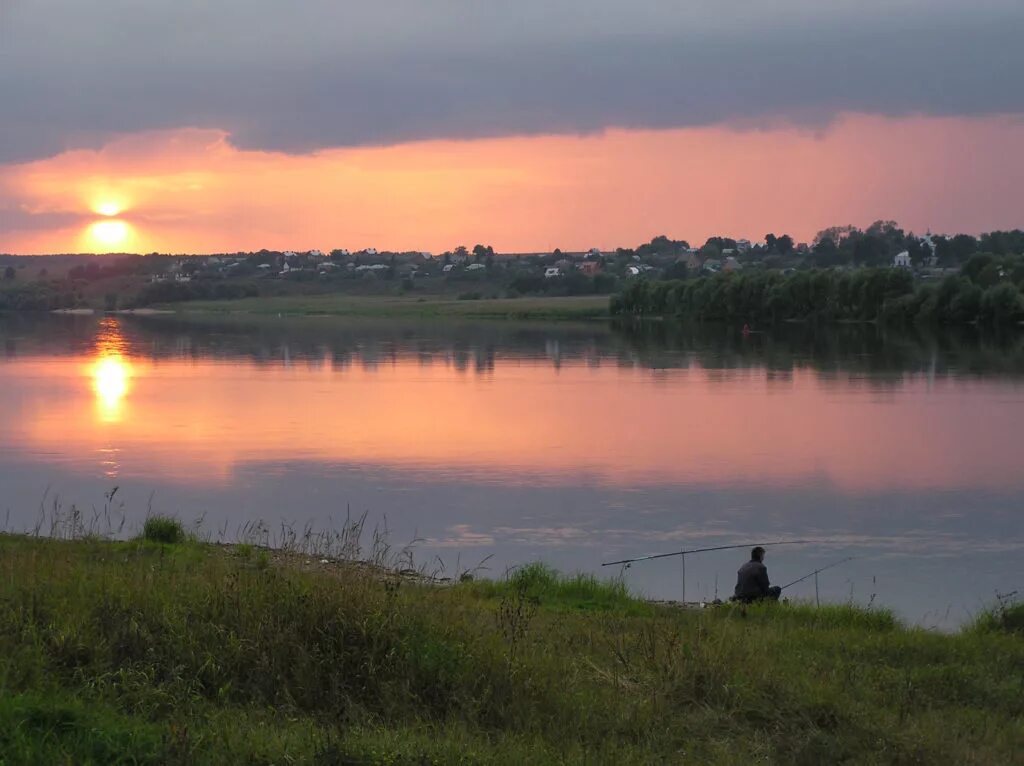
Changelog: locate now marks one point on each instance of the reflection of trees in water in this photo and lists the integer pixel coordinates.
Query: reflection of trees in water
(480, 348)
(832, 350)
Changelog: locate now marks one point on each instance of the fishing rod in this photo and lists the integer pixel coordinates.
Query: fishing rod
(705, 550)
(816, 571)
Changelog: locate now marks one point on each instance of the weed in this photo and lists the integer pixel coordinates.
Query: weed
(163, 529)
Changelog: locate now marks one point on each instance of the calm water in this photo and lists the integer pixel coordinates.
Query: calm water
(572, 444)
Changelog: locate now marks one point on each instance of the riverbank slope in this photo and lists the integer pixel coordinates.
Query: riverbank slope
(149, 652)
(383, 306)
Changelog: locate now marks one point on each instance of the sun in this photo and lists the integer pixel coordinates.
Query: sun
(109, 234)
(109, 208)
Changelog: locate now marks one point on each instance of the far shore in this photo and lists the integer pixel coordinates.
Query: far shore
(586, 307)
(89, 312)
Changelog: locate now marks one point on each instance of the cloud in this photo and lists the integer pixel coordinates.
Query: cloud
(302, 77)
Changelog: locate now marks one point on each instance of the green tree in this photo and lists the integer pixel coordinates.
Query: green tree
(480, 252)
(1002, 305)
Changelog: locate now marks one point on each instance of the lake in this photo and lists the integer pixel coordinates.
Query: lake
(574, 444)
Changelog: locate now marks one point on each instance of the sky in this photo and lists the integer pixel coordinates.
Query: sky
(187, 126)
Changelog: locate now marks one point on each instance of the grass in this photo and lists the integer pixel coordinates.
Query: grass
(163, 529)
(334, 304)
(131, 652)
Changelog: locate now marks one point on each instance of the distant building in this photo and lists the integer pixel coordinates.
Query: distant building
(712, 265)
(743, 245)
(289, 253)
(731, 264)
(694, 260)
(447, 267)
(371, 251)
(552, 271)
(475, 267)
(902, 260)
(593, 253)
(590, 268)
(315, 254)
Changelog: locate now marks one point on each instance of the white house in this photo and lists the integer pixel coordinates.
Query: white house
(448, 267)
(475, 267)
(902, 260)
(370, 251)
(289, 253)
(552, 271)
(316, 254)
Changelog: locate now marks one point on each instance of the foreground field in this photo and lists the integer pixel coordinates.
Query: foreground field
(147, 652)
(335, 304)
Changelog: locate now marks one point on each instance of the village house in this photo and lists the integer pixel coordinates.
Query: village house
(590, 268)
(902, 260)
(731, 264)
(552, 271)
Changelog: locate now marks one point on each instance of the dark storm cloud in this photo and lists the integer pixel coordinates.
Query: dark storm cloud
(302, 76)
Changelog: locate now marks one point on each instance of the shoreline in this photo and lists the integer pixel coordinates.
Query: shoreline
(141, 650)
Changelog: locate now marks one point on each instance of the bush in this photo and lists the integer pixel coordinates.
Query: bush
(163, 529)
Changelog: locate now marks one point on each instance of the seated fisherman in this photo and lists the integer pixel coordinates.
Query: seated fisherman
(752, 580)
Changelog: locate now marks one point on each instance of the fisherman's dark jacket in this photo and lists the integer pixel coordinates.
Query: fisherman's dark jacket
(752, 581)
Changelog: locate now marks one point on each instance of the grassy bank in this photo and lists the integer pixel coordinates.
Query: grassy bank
(555, 308)
(150, 652)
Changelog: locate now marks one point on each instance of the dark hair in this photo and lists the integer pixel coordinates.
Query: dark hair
(757, 554)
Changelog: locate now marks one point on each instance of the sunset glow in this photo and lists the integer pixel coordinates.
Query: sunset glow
(194, 191)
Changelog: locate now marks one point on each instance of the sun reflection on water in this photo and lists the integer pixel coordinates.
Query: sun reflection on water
(111, 372)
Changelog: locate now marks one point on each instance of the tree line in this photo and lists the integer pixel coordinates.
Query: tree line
(989, 290)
